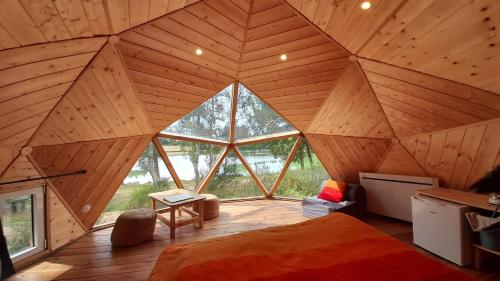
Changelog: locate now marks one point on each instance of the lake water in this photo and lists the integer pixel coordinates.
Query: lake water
(185, 169)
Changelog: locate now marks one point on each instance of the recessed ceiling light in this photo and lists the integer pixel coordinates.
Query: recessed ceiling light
(199, 52)
(366, 5)
(283, 57)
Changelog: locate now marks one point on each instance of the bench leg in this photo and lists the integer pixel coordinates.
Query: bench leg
(172, 223)
(200, 213)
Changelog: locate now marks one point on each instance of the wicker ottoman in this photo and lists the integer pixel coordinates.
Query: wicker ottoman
(133, 227)
(210, 207)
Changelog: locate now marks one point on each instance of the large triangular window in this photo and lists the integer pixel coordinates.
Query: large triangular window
(234, 145)
(254, 118)
(209, 120)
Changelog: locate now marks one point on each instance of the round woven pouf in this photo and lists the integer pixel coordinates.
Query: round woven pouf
(210, 206)
(133, 227)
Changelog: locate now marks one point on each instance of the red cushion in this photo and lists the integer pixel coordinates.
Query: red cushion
(333, 191)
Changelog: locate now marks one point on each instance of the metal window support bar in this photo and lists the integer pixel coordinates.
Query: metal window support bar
(81, 172)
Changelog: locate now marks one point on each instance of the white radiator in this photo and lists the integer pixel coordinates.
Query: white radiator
(390, 195)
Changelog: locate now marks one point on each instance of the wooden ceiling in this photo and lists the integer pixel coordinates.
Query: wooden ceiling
(404, 87)
(456, 40)
(27, 22)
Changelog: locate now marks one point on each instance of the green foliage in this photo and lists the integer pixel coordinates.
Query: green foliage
(18, 227)
(255, 118)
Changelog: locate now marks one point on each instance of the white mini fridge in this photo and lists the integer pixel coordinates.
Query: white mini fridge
(441, 227)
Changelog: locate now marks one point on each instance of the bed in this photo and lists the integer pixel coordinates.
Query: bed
(335, 247)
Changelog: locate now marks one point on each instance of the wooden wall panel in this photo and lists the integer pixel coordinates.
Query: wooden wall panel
(453, 40)
(352, 109)
(398, 161)
(32, 81)
(27, 22)
(417, 103)
(170, 78)
(297, 87)
(63, 228)
(101, 104)
(458, 156)
(21, 168)
(6, 157)
(107, 163)
(345, 157)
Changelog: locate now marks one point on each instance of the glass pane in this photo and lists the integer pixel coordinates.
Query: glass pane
(210, 120)
(17, 222)
(233, 180)
(267, 159)
(304, 176)
(148, 175)
(191, 160)
(254, 118)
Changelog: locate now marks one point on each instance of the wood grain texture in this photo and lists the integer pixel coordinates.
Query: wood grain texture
(20, 169)
(27, 22)
(417, 103)
(398, 161)
(33, 79)
(170, 78)
(345, 157)
(63, 226)
(107, 163)
(458, 156)
(297, 87)
(352, 109)
(102, 104)
(7, 155)
(456, 41)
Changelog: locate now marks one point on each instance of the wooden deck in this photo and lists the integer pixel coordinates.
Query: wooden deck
(92, 258)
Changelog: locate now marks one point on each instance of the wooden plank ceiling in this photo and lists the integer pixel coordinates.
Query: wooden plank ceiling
(457, 40)
(344, 157)
(101, 104)
(27, 22)
(297, 87)
(171, 80)
(352, 109)
(32, 81)
(417, 103)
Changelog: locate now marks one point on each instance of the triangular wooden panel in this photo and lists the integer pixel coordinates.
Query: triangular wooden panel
(170, 78)
(399, 162)
(417, 103)
(31, 22)
(6, 157)
(20, 169)
(102, 104)
(459, 156)
(107, 163)
(456, 41)
(32, 81)
(352, 109)
(63, 226)
(295, 88)
(345, 157)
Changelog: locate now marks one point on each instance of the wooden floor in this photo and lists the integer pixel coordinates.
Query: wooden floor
(92, 257)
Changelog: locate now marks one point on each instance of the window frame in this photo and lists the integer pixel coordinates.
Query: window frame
(38, 220)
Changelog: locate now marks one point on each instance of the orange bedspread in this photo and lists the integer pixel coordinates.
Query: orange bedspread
(336, 247)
